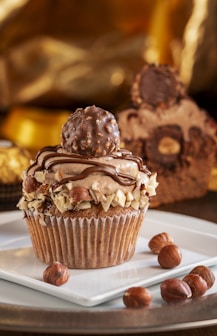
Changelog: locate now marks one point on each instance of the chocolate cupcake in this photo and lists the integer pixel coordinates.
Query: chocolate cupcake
(85, 199)
(170, 132)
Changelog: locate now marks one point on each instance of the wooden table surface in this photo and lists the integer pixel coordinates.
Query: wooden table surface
(204, 208)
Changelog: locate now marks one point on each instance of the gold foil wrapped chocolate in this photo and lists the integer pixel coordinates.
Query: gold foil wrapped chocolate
(13, 161)
(33, 128)
(199, 56)
(84, 53)
(77, 53)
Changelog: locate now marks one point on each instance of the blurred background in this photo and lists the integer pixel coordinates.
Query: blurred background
(57, 55)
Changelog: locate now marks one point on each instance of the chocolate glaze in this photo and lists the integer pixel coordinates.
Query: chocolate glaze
(95, 166)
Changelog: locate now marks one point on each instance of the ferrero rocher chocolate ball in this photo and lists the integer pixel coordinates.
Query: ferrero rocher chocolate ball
(157, 86)
(91, 132)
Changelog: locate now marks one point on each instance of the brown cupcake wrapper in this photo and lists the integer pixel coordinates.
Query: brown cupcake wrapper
(85, 243)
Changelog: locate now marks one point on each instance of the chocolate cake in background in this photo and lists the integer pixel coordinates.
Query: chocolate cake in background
(170, 132)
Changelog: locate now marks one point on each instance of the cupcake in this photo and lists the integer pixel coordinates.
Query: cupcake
(13, 160)
(170, 132)
(85, 199)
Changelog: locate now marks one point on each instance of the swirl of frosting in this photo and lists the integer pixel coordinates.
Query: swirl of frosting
(50, 156)
(91, 132)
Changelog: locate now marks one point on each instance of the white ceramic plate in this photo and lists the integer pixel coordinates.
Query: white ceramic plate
(196, 238)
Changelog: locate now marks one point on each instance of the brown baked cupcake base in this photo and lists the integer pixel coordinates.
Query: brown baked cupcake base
(85, 243)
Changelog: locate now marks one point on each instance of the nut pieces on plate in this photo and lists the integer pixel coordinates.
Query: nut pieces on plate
(197, 284)
(137, 297)
(205, 273)
(173, 290)
(160, 240)
(170, 256)
(56, 274)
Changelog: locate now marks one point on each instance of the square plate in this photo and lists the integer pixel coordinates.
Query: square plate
(88, 288)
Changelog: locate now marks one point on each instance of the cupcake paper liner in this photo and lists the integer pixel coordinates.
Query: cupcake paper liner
(84, 243)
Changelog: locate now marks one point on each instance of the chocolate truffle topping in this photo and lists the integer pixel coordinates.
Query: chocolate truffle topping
(157, 86)
(91, 132)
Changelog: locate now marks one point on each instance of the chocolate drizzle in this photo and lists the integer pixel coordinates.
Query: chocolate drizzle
(95, 166)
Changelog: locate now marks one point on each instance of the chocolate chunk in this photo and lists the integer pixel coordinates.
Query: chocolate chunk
(91, 132)
(157, 86)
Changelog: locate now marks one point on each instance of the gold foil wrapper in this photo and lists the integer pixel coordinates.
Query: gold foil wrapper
(13, 161)
(199, 55)
(82, 53)
(33, 128)
(68, 53)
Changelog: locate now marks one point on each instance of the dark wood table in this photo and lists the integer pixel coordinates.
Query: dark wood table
(204, 208)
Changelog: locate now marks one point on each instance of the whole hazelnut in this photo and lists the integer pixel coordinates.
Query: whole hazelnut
(30, 184)
(78, 194)
(197, 284)
(175, 290)
(56, 274)
(205, 273)
(160, 240)
(169, 145)
(170, 256)
(137, 297)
